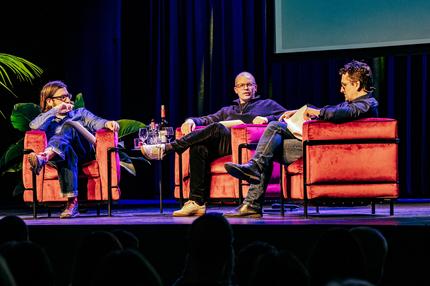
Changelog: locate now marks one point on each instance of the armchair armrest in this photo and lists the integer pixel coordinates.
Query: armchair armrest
(36, 141)
(366, 128)
(248, 134)
(105, 140)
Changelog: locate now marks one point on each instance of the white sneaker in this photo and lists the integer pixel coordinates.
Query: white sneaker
(191, 208)
(153, 152)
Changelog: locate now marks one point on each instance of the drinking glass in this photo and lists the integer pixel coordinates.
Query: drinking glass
(169, 133)
(143, 135)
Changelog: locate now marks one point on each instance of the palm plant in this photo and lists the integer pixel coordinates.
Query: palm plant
(23, 113)
(22, 69)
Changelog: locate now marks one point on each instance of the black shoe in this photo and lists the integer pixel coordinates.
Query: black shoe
(245, 210)
(248, 172)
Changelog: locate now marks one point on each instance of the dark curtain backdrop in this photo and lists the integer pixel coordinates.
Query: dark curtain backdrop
(185, 54)
(129, 57)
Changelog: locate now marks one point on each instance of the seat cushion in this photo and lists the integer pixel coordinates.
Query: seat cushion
(217, 166)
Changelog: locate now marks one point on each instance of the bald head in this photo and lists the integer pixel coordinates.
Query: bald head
(245, 87)
(244, 74)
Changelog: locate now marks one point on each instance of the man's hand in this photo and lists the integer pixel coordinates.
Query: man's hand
(112, 125)
(64, 108)
(260, 120)
(311, 113)
(188, 126)
(287, 114)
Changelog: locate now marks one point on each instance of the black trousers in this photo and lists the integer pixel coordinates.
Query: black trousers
(206, 145)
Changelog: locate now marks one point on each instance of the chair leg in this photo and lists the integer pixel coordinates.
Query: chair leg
(181, 182)
(281, 189)
(34, 182)
(49, 211)
(391, 207)
(98, 209)
(305, 208)
(373, 207)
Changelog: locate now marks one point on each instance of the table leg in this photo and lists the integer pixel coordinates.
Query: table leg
(160, 183)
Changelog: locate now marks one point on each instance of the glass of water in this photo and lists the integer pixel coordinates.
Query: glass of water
(143, 135)
(169, 133)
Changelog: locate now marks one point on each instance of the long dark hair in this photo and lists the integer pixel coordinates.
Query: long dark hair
(48, 91)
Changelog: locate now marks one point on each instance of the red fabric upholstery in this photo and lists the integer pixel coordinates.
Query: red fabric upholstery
(94, 172)
(224, 186)
(355, 170)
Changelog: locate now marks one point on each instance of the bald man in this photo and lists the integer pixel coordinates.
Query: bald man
(214, 141)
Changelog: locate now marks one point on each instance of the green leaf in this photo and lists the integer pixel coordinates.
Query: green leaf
(79, 101)
(19, 189)
(129, 167)
(23, 69)
(11, 160)
(129, 126)
(22, 114)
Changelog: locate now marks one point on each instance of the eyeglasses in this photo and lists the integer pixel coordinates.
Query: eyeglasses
(62, 97)
(243, 85)
(344, 84)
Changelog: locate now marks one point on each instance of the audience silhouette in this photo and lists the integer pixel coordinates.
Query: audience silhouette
(340, 257)
(246, 260)
(90, 252)
(282, 268)
(6, 277)
(336, 255)
(210, 256)
(126, 267)
(28, 262)
(13, 227)
(375, 249)
(127, 238)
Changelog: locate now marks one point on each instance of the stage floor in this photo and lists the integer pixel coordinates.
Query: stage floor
(406, 212)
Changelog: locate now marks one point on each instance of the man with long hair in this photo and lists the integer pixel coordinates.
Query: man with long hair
(67, 147)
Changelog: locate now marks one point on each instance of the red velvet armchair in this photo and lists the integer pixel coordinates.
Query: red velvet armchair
(101, 176)
(355, 161)
(224, 187)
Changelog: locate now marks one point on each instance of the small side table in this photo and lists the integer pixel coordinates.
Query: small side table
(136, 152)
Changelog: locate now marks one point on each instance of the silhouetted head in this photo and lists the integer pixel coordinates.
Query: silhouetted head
(91, 250)
(247, 258)
(127, 238)
(28, 262)
(210, 256)
(126, 267)
(13, 228)
(375, 250)
(336, 255)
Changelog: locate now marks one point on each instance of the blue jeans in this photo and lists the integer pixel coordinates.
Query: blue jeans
(71, 149)
(269, 149)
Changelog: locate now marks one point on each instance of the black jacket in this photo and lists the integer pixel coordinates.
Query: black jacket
(245, 112)
(361, 107)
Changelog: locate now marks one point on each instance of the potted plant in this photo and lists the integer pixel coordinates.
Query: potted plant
(23, 113)
(22, 69)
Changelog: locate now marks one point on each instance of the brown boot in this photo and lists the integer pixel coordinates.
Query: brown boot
(71, 208)
(37, 161)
